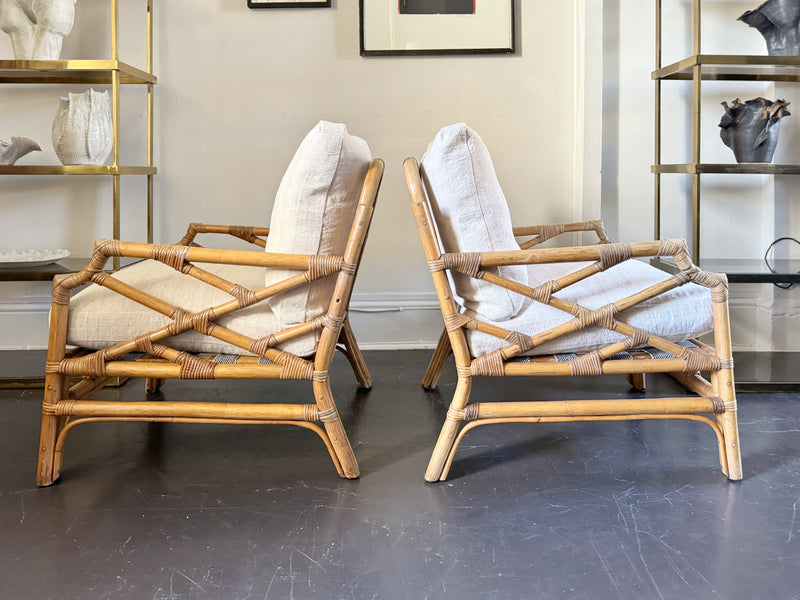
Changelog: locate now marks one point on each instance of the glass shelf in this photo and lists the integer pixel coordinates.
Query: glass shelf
(743, 270)
(47, 272)
(75, 170)
(725, 67)
(728, 168)
(71, 71)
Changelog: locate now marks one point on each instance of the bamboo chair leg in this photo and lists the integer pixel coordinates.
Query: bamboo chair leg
(437, 362)
(722, 384)
(49, 463)
(354, 356)
(447, 436)
(335, 429)
(153, 384)
(638, 381)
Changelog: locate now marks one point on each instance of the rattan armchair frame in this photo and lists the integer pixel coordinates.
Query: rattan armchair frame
(715, 400)
(67, 405)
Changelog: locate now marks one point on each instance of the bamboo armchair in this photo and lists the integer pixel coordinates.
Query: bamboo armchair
(65, 406)
(683, 361)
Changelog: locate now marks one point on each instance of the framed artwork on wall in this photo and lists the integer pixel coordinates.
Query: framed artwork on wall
(288, 4)
(428, 27)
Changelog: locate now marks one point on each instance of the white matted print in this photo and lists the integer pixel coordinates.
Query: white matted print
(390, 27)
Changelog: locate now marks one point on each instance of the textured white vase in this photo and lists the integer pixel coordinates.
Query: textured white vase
(82, 130)
(37, 28)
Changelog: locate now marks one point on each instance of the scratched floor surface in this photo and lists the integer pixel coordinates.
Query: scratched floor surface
(613, 510)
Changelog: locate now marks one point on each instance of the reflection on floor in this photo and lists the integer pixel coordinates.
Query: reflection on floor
(579, 510)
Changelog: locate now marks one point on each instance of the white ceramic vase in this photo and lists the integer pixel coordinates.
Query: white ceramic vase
(82, 129)
(37, 28)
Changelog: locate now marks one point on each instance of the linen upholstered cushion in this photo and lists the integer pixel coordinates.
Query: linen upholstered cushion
(472, 215)
(99, 317)
(677, 315)
(313, 213)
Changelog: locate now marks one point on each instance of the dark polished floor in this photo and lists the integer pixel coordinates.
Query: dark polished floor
(588, 510)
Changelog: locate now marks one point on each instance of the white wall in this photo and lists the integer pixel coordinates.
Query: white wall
(237, 91)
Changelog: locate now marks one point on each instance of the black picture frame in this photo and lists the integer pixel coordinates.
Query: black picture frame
(284, 4)
(371, 49)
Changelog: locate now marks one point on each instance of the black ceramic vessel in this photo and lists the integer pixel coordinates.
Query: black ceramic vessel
(751, 128)
(779, 22)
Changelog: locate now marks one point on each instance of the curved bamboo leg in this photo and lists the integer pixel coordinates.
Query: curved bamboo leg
(722, 382)
(333, 426)
(638, 381)
(447, 436)
(49, 462)
(437, 362)
(354, 356)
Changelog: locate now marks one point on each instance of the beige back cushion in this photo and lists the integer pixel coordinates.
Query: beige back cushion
(472, 216)
(313, 213)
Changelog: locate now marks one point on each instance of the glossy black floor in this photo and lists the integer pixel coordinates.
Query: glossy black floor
(613, 510)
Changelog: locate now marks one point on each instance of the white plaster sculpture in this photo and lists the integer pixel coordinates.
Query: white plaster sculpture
(37, 27)
(11, 152)
(82, 129)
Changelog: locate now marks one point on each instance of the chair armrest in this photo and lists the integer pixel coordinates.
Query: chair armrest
(546, 232)
(252, 235)
(603, 256)
(181, 257)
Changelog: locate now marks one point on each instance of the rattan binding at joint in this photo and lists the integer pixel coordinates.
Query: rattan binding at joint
(613, 254)
(639, 338)
(717, 404)
(348, 268)
(201, 321)
(463, 371)
(586, 364)
(243, 232)
(489, 365)
(697, 360)
(321, 376)
(599, 231)
(524, 342)
(547, 232)
(322, 266)
(332, 322)
(172, 256)
(195, 368)
(93, 365)
(327, 416)
(261, 345)
(542, 293)
(456, 322)
(468, 263)
(244, 296)
(295, 367)
(603, 316)
(726, 364)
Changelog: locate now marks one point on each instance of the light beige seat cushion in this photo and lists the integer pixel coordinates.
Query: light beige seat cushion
(472, 215)
(678, 315)
(99, 318)
(313, 213)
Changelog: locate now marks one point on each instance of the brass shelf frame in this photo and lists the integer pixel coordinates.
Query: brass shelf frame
(115, 73)
(697, 68)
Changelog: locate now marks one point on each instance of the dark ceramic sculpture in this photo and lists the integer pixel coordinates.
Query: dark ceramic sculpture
(779, 22)
(750, 128)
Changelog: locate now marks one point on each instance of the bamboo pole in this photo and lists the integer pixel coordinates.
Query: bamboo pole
(580, 408)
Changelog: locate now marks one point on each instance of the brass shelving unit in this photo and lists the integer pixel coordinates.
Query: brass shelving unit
(698, 68)
(112, 72)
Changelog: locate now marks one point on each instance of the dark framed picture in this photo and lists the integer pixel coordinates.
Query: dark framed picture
(420, 27)
(288, 4)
